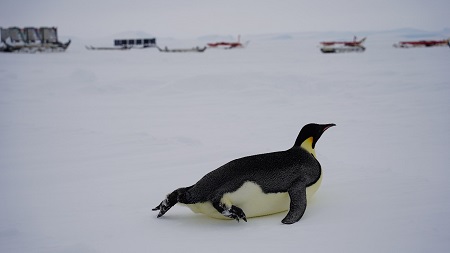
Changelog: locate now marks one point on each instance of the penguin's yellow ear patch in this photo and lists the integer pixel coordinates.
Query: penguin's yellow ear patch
(307, 145)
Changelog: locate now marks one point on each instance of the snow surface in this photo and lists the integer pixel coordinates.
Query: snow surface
(90, 141)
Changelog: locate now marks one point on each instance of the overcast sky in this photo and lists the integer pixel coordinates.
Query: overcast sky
(193, 18)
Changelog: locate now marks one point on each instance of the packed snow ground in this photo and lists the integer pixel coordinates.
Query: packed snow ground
(91, 141)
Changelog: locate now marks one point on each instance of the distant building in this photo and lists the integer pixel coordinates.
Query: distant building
(31, 39)
(135, 42)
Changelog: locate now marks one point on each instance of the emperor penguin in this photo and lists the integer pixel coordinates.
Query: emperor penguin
(257, 185)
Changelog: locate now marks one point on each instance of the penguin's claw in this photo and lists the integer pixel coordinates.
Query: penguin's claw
(235, 213)
(157, 208)
(163, 208)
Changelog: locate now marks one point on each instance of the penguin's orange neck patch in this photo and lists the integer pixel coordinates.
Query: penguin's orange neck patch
(307, 145)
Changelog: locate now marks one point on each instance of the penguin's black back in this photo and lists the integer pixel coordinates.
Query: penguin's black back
(273, 172)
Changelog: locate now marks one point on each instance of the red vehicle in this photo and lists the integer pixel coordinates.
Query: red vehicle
(423, 43)
(353, 43)
(228, 45)
(343, 46)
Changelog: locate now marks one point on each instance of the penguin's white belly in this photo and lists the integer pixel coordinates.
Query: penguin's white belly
(252, 200)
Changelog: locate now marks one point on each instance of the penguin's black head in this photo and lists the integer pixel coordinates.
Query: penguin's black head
(312, 133)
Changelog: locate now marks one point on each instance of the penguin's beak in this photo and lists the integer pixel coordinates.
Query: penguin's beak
(325, 127)
(328, 126)
(319, 133)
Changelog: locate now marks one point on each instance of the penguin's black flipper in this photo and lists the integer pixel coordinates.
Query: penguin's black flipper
(297, 193)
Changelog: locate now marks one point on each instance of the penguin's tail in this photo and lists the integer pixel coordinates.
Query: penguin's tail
(180, 195)
(183, 195)
(170, 200)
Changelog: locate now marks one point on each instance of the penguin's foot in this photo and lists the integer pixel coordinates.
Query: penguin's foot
(163, 207)
(234, 213)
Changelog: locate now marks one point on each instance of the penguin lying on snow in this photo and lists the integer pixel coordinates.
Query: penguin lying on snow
(257, 185)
